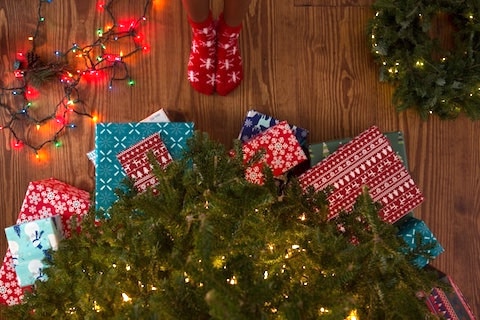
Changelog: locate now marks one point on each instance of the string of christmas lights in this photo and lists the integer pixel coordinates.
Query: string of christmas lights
(94, 62)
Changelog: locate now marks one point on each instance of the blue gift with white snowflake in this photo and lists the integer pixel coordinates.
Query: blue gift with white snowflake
(30, 244)
(417, 235)
(256, 122)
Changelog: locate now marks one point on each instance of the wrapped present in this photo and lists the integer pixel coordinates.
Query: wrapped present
(44, 198)
(256, 122)
(367, 160)
(136, 164)
(282, 152)
(449, 303)
(113, 138)
(319, 151)
(30, 243)
(157, 116)
(411, 230)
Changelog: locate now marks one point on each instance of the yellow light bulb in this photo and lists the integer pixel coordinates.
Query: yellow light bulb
(125, 297)
(353, 315)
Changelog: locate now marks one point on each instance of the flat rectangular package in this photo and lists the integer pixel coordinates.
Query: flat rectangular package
(282, 152)
(113, 138)
(449, 304)
(135, 161)
(321, 150)
(30, 243)
(256, 122)
(366, 160)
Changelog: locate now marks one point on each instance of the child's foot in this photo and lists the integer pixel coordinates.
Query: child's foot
(202, 61)
(229, 68)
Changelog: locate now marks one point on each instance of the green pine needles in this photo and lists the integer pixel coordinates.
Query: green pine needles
(430, 51)
(210, 245)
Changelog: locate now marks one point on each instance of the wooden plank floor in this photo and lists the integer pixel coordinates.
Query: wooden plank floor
(305, 61)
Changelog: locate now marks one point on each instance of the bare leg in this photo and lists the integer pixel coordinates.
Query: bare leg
(234, 11)
(197, 10)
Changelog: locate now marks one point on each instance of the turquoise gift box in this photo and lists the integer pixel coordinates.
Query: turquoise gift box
(113, 138)
(416, 234)
(30, 243)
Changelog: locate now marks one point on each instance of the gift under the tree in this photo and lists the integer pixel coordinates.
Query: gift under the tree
(367, 160)
(256, 122)
(113, 138)
(43, 199)
(281, 152)
(157, 116)
(417, 235)
(136, 163)
(449, 303)
(319, 151)
(30, 243)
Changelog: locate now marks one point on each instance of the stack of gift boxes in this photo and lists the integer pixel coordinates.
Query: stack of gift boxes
(122, 150)
(125, 150)
(374, 159)
(46, 215)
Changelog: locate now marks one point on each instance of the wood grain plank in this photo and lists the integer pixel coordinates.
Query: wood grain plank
(332, 3)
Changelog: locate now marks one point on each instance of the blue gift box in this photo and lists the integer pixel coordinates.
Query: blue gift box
(412, 228)
(256, 122)
(113, 138)
(30, 243)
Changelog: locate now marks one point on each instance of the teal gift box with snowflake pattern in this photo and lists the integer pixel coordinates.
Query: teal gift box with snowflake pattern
(416, 234)
(30, 244)
(113, 138)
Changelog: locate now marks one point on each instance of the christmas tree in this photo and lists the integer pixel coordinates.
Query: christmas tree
(207, 244)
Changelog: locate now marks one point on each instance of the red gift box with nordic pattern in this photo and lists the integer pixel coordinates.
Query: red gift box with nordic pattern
(449, 304)
(136, 164)
(43, 199)
(282, 152)
(367, 160)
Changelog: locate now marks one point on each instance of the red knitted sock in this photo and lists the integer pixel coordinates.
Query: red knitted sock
(229, 68)
(202, 61)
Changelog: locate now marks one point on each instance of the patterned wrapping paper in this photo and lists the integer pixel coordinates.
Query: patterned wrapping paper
(43, 199)
(256, 122)
(319, 151)
(135, 162)
(449, 304)
(157, 116)
(282, 152)
(113, 138)
(409, 229)
(29, 243)
(367, 160)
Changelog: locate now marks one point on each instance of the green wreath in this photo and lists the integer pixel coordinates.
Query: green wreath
(426, 75)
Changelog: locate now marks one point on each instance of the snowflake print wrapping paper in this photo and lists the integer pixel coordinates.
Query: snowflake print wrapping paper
(29, 243)
(112, 138)
(256, 122)
(367, 160)
(43, 199)
(136, 164)
(282, 152)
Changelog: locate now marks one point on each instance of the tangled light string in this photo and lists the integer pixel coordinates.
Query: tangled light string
(97, 62)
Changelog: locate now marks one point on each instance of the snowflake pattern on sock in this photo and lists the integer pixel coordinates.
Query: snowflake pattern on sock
(202, 60)
(229, 69)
